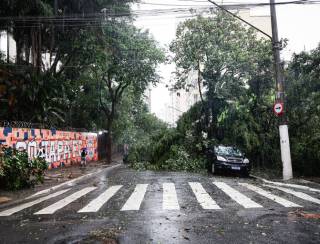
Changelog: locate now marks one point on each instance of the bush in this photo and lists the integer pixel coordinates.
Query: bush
(155, 149)
(178, 160)
(17, 171)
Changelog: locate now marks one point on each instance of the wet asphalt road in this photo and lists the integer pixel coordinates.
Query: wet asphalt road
(232, 223)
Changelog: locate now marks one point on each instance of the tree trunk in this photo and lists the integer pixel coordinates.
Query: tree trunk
(19, 47)
(109, 141)
(109, 148)
(199, 82)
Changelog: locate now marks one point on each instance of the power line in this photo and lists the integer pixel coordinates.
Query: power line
(237, 17)
(97, 20)
(94, 16)
(225, 4)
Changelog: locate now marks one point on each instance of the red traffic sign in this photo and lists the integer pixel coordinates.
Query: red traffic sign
(278, 108)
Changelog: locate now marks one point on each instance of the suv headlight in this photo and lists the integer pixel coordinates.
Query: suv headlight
(246, 161)
(221, 159)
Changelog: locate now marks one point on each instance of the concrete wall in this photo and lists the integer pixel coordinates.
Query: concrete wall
(57, 147)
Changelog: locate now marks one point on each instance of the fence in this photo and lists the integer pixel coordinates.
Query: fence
(48, 125)
(56, 146)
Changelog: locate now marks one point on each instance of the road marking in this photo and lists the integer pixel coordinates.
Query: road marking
(136, 198)
(72, 182)
(11, 211)
(237, 196)
(296, 193)
(289, 185)
(98, 202)
(203, 197)
(64, 202)
(267, 194)
(170, 200)
(68, 183)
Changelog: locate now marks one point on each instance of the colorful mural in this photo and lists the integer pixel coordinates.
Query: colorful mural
(57, 147)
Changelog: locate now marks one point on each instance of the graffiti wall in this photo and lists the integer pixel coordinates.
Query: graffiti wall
(57, 147)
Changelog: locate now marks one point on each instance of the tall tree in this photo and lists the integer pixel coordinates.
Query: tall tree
(235, 70)
(54, 46)
(127, 58)
(303, 97)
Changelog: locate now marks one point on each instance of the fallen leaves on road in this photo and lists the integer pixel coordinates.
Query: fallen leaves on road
(300, 213)
(220, 232)
(108, 236)
(187, 238)
(4, 199)
(186, 229)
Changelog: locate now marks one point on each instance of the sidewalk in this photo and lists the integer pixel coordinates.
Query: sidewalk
(276, 175)
(57, 176)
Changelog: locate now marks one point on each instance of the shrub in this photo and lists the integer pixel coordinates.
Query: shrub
(180, 159)
(17, 171)
(155, 149)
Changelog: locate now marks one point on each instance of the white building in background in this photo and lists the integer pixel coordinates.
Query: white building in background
(7, 46)
(182, 100)
(147, 98)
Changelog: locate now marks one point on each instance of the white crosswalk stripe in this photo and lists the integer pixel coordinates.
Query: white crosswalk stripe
(267, 194)
(98, 202)
(169, 196)
(64, 202)
(11, 211)
(237, 196)
(298, 194)
(203, 197)
(136, 198)
(170, 199)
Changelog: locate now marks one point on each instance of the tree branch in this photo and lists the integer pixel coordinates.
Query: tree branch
(55, 62)
(67, 62)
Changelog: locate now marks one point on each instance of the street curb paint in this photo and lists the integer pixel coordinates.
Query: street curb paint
(287, 184)
(71, 182)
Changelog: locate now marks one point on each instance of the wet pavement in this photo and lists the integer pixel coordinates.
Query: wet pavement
(121, 205)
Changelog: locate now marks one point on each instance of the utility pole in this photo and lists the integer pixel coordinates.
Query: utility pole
(280, 97)
(8, 46)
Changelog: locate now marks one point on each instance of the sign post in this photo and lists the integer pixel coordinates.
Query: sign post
(278, 108)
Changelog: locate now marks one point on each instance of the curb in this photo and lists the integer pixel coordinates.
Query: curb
(72, 182)
(288, 185)
(53, 188)
(257, 177)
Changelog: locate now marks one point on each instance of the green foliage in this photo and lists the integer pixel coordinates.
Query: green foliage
(17, 171)
(178, 159)
(35, 90)
(234, 70)
(155, 148)
(303, 96)
(164, 150)
(126, 59)
(235, 74)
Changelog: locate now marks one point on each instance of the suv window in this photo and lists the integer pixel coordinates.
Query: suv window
(227, 151)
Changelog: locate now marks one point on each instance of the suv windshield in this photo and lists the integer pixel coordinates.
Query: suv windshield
(227, 151)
